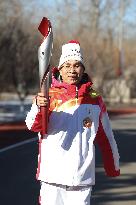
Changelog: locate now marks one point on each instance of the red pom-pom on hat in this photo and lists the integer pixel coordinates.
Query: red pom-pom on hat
(74, 41)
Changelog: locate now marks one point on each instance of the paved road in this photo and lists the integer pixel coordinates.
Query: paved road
(120, 190)
(18, 168)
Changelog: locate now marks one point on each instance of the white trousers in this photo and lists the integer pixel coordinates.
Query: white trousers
(53, 195)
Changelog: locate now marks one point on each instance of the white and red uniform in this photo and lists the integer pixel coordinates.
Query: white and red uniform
(67, 154)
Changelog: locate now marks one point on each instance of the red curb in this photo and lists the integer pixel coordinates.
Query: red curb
(10, 127)
(121, 111)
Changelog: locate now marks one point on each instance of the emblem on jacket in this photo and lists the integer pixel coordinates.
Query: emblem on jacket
(87, 122)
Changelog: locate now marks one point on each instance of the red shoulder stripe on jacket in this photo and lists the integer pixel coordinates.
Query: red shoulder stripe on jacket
(106, 150)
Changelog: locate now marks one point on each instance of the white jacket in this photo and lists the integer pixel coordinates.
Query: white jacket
(67, 153)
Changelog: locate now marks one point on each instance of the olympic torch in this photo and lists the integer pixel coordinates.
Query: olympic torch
(44, 55)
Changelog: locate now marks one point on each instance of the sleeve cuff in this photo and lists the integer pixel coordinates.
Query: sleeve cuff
(113, 174)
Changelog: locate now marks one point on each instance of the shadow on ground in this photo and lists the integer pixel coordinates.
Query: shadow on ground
(11, 137)
(18, 166)
(120, 189)
(18, 169)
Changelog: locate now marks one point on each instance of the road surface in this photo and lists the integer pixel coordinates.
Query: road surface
(18, 165)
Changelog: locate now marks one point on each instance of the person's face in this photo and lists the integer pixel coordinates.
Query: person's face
(71, 72)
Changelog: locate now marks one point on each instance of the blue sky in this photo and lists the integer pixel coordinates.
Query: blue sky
(130, 16)
(43, 8)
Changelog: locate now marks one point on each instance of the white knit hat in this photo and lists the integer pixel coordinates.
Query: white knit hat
(71, 51)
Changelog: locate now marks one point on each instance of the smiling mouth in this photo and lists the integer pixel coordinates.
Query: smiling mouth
(73, 77)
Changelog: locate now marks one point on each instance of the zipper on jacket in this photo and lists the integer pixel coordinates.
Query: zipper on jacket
(76, 94)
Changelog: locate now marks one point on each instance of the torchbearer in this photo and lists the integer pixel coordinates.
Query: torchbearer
(77, 121)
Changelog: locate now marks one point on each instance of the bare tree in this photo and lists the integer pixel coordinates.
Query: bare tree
(102, 26)
(19, 65)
